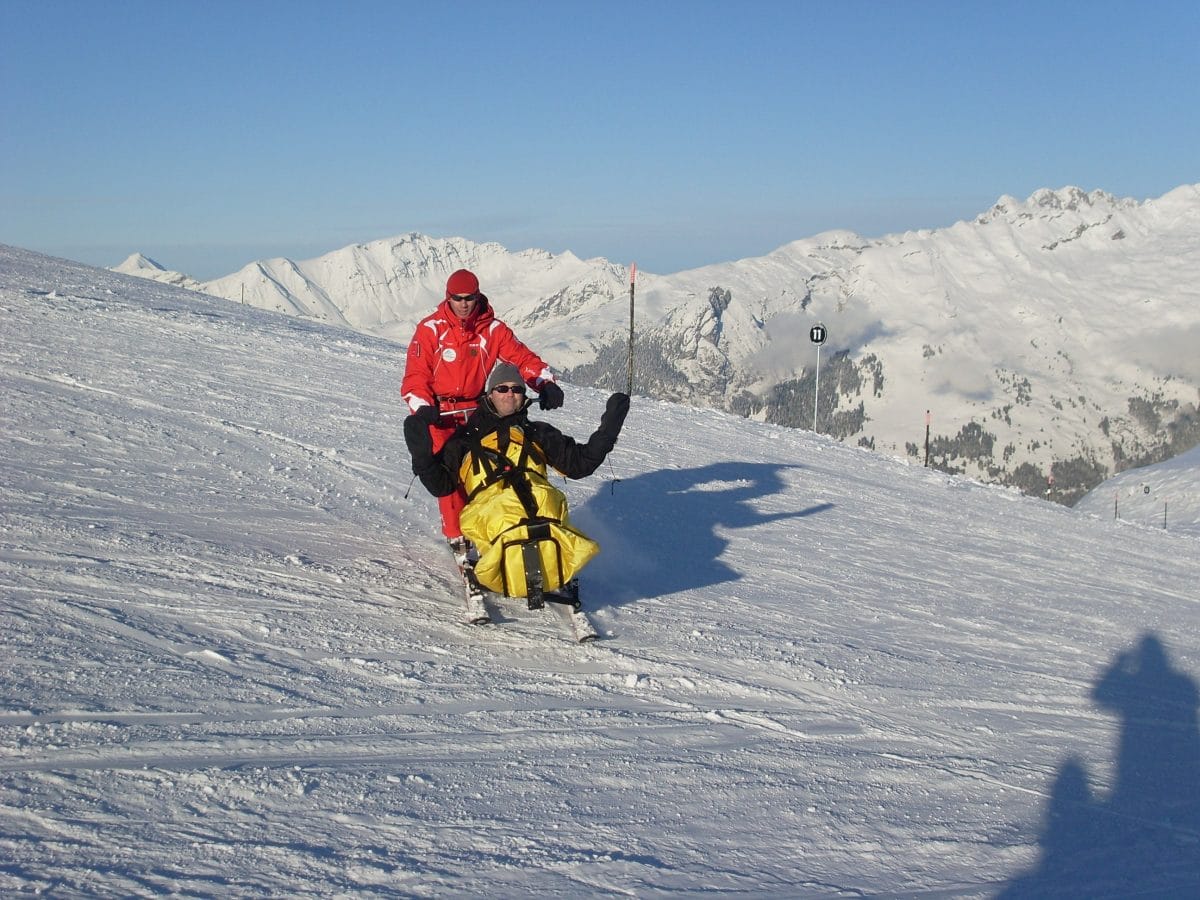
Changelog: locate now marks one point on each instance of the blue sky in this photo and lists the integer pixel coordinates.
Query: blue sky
(210, 134)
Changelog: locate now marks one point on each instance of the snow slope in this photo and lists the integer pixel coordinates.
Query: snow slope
(232, 665)
(1165, 495)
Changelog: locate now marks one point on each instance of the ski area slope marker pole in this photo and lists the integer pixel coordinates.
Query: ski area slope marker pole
(632, 282)
(817, 388)
(817, 334)
(928, 419)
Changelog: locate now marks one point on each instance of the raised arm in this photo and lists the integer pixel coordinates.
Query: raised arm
(577, 460)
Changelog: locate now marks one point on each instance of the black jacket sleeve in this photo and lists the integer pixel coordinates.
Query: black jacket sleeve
(426, 465)
(577, 460)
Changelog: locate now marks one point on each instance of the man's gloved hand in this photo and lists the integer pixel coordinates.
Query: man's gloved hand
(615, 412)
(550, 395)
(428, 414)
(419, 441)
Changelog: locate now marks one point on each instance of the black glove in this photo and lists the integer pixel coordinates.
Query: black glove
(604, 438)
(419, 441)
(614, 415)
(550, 395)
(427, 414)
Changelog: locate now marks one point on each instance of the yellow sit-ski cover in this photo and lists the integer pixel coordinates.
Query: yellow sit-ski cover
(497, 522)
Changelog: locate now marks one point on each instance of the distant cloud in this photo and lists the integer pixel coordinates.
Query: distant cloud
(1171, 352)
(958, 371)
(790, 349)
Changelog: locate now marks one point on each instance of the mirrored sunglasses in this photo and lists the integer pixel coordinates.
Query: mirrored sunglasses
(504, 388)
(464, 298)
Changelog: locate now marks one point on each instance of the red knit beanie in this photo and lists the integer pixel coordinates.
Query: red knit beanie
(462, 282)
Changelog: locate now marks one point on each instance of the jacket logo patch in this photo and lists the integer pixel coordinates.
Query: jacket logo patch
(449, 355)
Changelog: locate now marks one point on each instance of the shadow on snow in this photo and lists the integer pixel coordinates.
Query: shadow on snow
(658, 530)
(1143, 839)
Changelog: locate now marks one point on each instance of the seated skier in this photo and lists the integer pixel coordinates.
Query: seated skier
(514, 516)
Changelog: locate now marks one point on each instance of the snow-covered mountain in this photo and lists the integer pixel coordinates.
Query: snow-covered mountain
(1050, 339)
(145, 267)
(232, 665)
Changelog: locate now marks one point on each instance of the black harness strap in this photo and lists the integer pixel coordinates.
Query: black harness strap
(495, 465)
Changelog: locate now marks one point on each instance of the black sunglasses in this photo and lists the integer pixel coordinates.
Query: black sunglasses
(464, 298)
(504, 389)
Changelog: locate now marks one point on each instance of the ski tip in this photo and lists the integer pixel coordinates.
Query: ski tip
(585, 632)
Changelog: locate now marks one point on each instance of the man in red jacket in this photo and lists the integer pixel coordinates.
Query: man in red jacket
(449, 359)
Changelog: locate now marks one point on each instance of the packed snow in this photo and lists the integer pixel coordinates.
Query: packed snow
(234, 666)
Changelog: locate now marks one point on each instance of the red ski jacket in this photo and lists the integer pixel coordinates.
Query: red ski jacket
(449, 358)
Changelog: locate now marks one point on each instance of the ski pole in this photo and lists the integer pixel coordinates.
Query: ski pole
(632, 282)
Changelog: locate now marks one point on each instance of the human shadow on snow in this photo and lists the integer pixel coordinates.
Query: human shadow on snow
(1143, 839)
(659, 531)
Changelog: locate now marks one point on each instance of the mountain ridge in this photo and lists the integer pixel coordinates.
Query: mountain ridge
(1049, 338)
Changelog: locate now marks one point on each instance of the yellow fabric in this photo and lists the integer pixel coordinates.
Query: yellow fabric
(493, 521)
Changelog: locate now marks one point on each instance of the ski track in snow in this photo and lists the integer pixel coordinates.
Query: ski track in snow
(234, 664)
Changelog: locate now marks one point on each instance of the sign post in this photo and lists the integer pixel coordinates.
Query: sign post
(817, 335)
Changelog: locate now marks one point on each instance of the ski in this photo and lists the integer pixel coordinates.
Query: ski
(581, 626)
(475, 611)
(566, 601)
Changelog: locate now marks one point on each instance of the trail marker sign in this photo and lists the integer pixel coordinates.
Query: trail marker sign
(817, 335)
